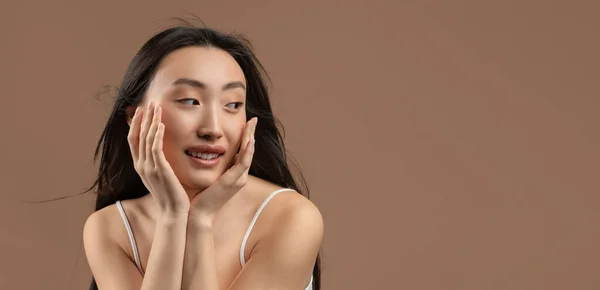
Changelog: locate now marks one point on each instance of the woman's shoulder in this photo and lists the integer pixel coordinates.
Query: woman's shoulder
(97, 229)
(101, 219)
(277, 198)
(101, 223)
(111, 213)
(285, 207)
(288, 227)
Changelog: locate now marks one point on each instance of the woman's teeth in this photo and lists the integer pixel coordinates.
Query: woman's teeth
(206, 156)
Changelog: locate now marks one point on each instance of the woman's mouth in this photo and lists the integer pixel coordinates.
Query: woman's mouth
(205, 156)
(204, 159)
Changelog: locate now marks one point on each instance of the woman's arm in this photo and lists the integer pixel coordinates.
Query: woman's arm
(283, 259)
(200, 268)
(165, 262)
(113, 270)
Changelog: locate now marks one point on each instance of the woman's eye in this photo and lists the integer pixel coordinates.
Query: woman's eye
(188, 101)
(235, 105)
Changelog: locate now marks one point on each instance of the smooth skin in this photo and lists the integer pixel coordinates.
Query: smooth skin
(189, 228)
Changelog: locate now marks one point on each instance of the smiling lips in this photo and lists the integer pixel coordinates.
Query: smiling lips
(205, 155)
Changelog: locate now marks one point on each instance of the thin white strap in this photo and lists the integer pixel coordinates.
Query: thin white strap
(131, 238)
(264, 203)
(309, 287)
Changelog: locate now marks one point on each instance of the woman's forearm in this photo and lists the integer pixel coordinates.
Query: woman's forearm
(165, 262)
(199, 266)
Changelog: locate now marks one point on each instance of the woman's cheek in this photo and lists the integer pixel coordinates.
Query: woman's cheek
(166, 116)
(238, 136)
(171, 134)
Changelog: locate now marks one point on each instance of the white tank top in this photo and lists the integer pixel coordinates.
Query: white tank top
(136, 254)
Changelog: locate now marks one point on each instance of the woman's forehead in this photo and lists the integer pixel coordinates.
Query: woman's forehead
(210, 66)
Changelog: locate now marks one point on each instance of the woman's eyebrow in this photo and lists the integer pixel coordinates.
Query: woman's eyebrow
(198, 84)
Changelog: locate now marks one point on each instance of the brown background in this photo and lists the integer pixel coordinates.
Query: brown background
(448, 144)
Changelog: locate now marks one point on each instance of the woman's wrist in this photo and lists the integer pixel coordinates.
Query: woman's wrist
(173, 215)
(200, 221)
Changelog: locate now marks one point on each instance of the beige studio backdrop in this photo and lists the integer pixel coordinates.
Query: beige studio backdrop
(448, 144)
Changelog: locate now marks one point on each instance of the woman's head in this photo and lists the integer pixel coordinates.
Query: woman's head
(205, 82)
(208, 84)
(202, 93)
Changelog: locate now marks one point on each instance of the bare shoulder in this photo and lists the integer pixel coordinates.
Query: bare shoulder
(98, 222)
(99, 229)
(110, 265)
(290, 211)
(291, 205)
(101, 224)
(288, 237)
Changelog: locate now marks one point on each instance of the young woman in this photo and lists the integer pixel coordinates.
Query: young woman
(194, 189)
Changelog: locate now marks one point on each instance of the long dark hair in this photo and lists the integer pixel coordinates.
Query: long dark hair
(117, 178)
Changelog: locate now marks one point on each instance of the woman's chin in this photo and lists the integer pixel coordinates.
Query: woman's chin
(199, 178)
(203, 180)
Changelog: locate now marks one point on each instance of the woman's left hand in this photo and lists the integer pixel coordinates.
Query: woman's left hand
(206, 204)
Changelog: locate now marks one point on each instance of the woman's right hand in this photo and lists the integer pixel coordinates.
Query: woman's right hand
(146, 144)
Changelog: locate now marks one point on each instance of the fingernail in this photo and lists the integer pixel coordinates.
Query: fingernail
(136, 110)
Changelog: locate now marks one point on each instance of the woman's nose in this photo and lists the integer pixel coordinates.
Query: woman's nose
(209, 127)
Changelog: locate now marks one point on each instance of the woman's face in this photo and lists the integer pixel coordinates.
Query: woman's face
(202, 93)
